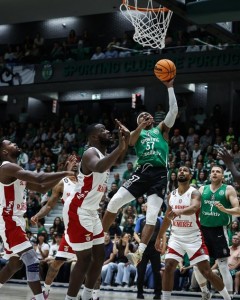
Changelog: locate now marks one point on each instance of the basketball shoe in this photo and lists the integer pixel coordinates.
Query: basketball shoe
(135, 258)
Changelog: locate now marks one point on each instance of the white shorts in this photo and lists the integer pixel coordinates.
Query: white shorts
(12, 231)
(193, 246)
(82, 229)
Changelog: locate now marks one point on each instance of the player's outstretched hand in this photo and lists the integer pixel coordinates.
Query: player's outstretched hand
(147, 122)
(224, 155)
(34, 220)
(70, 163)
(169, 83)
(123, 128)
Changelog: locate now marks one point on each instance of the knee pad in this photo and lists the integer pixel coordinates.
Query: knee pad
(201, 280)
(151, 216)
(121, 198)
(154, 204)
(31, 262)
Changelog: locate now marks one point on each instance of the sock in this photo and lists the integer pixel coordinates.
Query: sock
(1, 285)
(142, 247)
(226, 275)
(166, 295)
(87, 293)
(95, 294)
(224, 294)
(47, 287)
(70, 298)
(204, 289)
(39, 297)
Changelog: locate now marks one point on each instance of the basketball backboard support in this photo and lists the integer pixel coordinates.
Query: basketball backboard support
(208, 16)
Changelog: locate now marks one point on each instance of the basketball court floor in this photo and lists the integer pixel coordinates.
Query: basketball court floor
(16, 291)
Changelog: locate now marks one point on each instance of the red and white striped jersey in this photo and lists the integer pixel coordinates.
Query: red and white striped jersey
(90, 188)
(184, 225)
(68, 188)
(13, 197)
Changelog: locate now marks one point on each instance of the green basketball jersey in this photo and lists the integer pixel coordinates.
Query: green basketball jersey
(210, 215)
(151, 147)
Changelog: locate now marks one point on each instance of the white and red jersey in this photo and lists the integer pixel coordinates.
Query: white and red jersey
(90, 188)
(13, 197)
(184, 226)
(68, 188)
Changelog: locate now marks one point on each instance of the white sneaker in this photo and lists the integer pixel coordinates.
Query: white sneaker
(135, 258)
(206, 296)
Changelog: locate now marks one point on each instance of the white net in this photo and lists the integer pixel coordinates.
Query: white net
(150, 23)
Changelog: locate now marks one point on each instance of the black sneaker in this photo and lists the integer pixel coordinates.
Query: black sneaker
(140, 296)
(157, 296)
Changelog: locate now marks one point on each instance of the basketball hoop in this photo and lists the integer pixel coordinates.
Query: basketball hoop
(150, 23)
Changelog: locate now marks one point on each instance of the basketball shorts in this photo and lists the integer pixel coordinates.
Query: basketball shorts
(149, 180)
(193, 246)
(12, 231)
(82, 229)
(216, 240)
(65, 251)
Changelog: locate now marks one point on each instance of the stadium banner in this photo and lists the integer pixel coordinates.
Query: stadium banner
(13, 75)
(138, 66)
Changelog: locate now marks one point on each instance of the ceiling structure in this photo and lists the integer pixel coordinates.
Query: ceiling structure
(15, 11)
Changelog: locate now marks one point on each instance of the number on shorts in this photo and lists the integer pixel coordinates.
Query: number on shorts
(130, 181)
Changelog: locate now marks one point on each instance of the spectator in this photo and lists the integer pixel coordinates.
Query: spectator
(159, 114)
(172, 183)
(98, 54)
(232, 230)
(114, 189)
(192, 46)
(124, 268)
(149, 254)
(176, 139)
(22, 159)
(115, 230)
(72, 38)
(58, 225)
(129, 226)
(206, 140)
(111, 52)
(128, 173)
(109, 256)
(117, 180)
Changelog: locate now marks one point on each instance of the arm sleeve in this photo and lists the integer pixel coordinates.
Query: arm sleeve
(173, 109)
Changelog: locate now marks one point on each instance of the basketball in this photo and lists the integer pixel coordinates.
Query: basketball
(165, 70)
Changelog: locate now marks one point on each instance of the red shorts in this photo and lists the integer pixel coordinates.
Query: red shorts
(12, 231)
(82, 229)
(64, 250)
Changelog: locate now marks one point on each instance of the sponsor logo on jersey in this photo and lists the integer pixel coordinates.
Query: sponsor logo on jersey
(221, 193)
(180, 223)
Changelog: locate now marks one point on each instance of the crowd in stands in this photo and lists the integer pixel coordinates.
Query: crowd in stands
(46, 145)
(78, 46)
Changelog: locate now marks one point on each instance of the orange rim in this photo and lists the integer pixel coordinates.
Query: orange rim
(145, 9)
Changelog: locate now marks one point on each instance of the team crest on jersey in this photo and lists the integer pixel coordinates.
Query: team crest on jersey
(68, 194)
(221, 193)
(66, 248)
(180, 201)
(88, 237)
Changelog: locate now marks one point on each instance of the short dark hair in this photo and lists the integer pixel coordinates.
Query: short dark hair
(91, 129)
